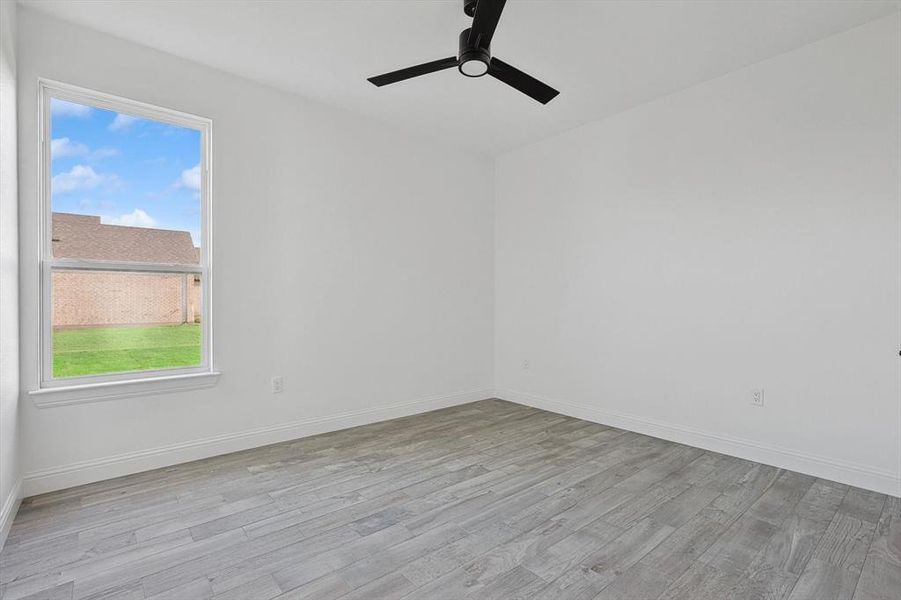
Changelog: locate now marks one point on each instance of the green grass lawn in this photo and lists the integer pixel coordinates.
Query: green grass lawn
(96, 350)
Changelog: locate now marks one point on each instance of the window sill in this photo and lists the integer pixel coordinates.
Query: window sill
(114, 390)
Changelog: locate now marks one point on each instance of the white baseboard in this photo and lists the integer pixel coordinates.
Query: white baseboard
(47, 480)
(827, 468)
(70, 475)
(9, 510)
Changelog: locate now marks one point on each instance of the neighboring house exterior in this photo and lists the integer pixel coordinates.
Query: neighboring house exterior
(93, 298)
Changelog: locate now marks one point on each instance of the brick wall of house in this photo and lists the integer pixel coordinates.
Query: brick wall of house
(92, 298)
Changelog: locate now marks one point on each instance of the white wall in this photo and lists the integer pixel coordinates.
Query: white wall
(10, 483)
(652, 268)
(350, 258)
(656, 266)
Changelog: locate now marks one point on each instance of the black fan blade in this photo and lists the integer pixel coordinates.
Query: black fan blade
(484, 22)
(423, 69)
(526, 84)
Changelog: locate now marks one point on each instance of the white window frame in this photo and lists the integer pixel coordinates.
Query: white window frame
(109, 385)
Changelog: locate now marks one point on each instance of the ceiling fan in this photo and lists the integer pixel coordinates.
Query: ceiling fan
(474, 58)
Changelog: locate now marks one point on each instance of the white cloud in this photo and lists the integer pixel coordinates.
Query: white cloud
(122, 122)
(190, 178)
(136, 218)
(64, 147)
(81, 177)
(61, 108)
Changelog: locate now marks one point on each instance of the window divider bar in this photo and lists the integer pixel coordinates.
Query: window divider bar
(107, 265)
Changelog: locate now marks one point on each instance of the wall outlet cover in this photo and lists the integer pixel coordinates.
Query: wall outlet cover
(757, 397)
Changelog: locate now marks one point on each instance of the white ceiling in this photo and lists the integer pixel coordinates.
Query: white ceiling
(603, 56)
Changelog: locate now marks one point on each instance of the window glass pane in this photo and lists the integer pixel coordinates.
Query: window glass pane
(123, 188)
(116, 321)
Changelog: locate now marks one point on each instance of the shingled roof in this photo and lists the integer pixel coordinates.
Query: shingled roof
(84, 236)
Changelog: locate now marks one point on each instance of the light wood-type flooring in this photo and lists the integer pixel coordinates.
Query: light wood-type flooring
(489, 500)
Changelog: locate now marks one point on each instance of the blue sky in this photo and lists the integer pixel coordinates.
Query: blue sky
(128, 171)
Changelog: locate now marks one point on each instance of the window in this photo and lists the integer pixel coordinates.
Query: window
(125, 254)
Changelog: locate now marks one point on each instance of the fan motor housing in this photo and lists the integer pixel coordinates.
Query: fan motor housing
(469, 7)
(471, 54)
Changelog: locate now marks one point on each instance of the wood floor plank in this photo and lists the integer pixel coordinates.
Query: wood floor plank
(822, 579)
(879, 580)
(774, 571)
(517, 583)
(834, 569)
(588, 577)
(880, 577)
(489, 500)
(59, 592)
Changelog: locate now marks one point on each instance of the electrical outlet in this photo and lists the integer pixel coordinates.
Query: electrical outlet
(757, 397)
(278, 384)
(525, 365)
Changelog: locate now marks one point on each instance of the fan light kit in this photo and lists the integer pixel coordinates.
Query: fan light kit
(474, 57)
